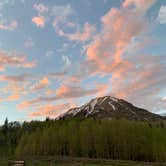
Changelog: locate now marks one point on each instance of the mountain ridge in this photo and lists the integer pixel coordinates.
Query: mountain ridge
(108, 107)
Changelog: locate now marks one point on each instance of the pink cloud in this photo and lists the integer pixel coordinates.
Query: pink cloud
(26, 104)
(42, 84)
(11, 26)
(148, 79)
(103, 89)
(137, 78)
(108, 47)
(29, 64)
(62, 93)
(13, 97)
(15, 78)
(105, 54)
(73, 92)
(88, 31)
(39, 21)
(15, 86)
(51, 110)
(11, 59)
(143, 5)
(71, 80)
(10, 98)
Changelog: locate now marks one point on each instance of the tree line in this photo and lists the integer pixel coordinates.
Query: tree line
(113, 139)
(10, 134)
(94, 138)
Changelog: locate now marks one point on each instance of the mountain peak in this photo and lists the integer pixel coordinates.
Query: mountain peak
(110, 108)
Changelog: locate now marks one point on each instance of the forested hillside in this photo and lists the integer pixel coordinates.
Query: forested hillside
(94, 138)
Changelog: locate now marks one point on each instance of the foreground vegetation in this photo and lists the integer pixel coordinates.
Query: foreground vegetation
(91, 138)
(65, 161)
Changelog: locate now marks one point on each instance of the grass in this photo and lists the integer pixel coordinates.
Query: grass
(50, 161)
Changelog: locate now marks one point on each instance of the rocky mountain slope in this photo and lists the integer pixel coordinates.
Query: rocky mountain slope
(111, 108)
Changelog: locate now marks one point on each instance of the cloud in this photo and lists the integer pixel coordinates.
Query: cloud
(74, 79)
(119, 29)
(62, 93)
(8, 26)
(10, 98)
(59, 16)
(136, 77)
(103, 89)
(12, 59)
(39, 21)
(41, 8)
(42, 84)
(15, 87)
(66, 60)
(58, 74)
(51, 13)
(73, 92)
(162, 15)
(26, 104)
(106, 52)
(13, 97)
(88, 31)
(4, 3)
(141, 5)
(15, 78)
(144, 80)
(62, 20)
(51, 110)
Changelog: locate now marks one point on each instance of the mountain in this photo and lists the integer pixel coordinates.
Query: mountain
(111, 108)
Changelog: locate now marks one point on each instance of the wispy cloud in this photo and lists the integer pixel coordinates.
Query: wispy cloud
(42, 84)
(63, 92)
(85, 35)
(162, 15)
(10, 98)
(62, 20)
(12, 59)
(51, 110)
(8, 26)
(41, 8)
(15, 78)
(53, 13)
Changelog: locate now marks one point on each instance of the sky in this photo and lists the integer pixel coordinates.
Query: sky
(59, 54)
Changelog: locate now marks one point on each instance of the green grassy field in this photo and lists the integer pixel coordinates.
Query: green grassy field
(49, 161)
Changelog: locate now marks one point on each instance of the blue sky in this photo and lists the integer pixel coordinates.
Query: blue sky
(59, 54)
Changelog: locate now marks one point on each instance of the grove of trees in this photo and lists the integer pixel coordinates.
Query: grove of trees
(94, 138)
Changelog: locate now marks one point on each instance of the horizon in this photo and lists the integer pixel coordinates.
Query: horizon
(60, 54)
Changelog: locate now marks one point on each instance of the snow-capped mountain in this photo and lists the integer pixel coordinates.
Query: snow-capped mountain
(110, 107)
